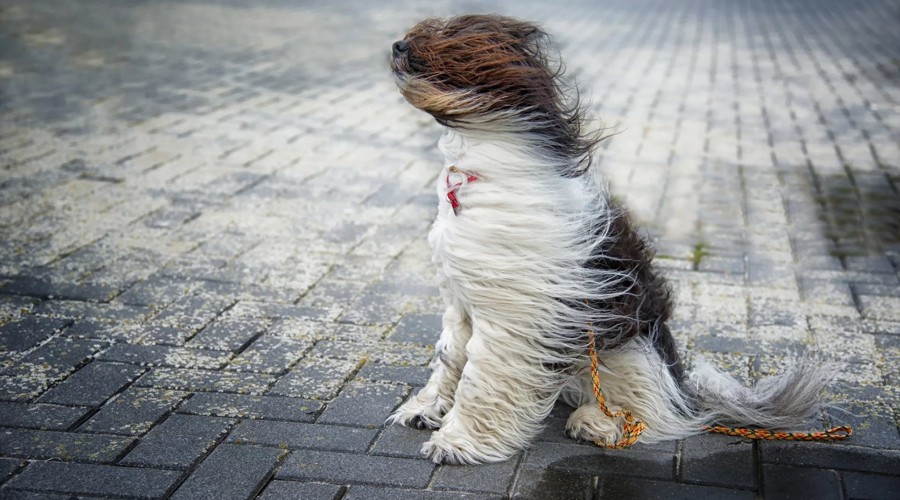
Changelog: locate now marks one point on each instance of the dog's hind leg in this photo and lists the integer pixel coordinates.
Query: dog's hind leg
(587, 422)
(501, 400)
(636, 379)
(426, 409)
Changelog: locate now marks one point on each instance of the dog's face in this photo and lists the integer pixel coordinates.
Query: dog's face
(495, 74)
(476, 68)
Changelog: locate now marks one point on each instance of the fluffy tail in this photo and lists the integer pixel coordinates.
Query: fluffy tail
(786, 401)
(636, 379)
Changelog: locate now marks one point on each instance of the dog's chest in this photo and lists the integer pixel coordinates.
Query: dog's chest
(452, 188)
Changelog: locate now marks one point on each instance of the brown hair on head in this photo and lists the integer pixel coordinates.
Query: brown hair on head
(494, 72)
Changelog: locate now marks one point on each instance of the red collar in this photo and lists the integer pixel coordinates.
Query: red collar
(452, 188)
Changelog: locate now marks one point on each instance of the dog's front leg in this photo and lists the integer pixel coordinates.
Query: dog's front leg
(425, 409)
(502, 398)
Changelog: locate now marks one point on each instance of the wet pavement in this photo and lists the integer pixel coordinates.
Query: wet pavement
(214, 279)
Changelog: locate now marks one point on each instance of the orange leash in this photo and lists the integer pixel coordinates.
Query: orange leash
(632, 429)
(833, 434)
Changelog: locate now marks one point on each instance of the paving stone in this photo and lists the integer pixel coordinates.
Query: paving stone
(153, 334)
(880, 307)
(399, 441)
(876, 289)
(879, 264)
(262, 407)
(552, 485)
(718, 460)
(314, 378)
(177, 357)
(133, 412)
(409, 375)
(303, 327)
(487, 478)
(11, 494)
(860, 485)
(333, 295)
(555, 426)
(230, 472)
(291, 435)
(826, 291)
(13, 307)
(348, 468)
(774, 312)
(227, 334)
(378, 493)
(8, 466)
(886, 327)
(355, 336)
(29, 331)
(40, 416)
(107, 313)
(589, 459)
(391, 353)
(177, 442)
(291, 490)
(100, 480)
(342, 350)
(255, 308)
(821, 455)
(781, 481)
(204, 380)
(722, 264)
(270, 355)
(67, 291)
(374, 306)
(363, 404)
(101, 330)
(154, 291)
(46, 364)
(418, 329)
(92, 384)
(642, 488)
(874, 423)
(190, 314)
(67, 446)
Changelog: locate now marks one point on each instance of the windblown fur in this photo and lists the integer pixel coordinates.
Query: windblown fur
(535, 255)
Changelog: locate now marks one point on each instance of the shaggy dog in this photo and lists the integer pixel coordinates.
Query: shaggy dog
(533, 254)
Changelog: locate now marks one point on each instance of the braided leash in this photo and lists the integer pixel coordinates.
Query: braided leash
(833, 434)
(632, 429)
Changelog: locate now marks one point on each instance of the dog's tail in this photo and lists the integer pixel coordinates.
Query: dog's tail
(784, 402)
(636, 379)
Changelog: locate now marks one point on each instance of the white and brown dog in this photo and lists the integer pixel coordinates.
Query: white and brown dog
(533, 253)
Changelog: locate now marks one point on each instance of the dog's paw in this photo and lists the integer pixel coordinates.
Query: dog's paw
(442, 449)
(414, 414)
(588, 423)
(454, 447)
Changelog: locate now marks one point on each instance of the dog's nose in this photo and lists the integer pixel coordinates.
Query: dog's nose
(400, 47)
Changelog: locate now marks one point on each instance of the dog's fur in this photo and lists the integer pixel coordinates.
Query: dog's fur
(537, 254)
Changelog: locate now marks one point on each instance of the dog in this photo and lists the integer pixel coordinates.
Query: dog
(536, 259)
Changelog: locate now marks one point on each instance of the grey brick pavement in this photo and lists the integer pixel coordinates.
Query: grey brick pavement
(214, 280)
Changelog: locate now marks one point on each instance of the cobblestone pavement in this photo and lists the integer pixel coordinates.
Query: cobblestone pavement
(214, 279)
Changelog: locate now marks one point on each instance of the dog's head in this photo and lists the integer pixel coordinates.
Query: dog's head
(495, 73)
(464, 68)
